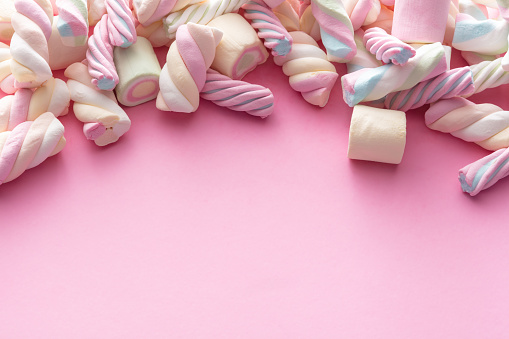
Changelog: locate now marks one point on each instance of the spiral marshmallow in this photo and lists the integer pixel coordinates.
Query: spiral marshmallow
(72, 22)
(121, 29)
(7, 9)
(489, 74)
(155, 33)
(362, 12)
(363, 58)
(150, 11)
(6, 77)
(485, 37)
(387, 48)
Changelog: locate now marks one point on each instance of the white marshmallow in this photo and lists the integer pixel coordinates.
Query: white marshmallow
(60, 55)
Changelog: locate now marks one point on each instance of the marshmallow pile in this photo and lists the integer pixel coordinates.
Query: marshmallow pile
(397, 54)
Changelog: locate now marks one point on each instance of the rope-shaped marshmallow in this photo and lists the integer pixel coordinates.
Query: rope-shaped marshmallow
(238, 95)
(29, 45)
(105, 121)
(454, 83)
(309, 70)
(485, 37)
(363, 58)
(269, 28)
(29, 144)
(362, 12)
(150, 11)
(489, 74)
(485, 172)
(386, 47)
(72, 22)
(6, 77)
(121, 30)
(184, 74)
(485, 124)
(201, 13)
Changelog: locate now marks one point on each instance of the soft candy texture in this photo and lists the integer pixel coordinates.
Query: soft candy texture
(270, 29)
(453, 83)
(27, 105)
(72, 22)
(485, 124)
(6, 11)
(485, 172)
(374, 83)
(138, 73)
(240, 50)
(96, 9)
(287, 16)
(201, 13)
(477, 11)
(29, 144)
(489, 74)
(149, 11)
(363, 58)
(485, 37)
(309, 25)
(238, 95)
(421, 21)
(29, 44)
(100, 58)
(473, 58)
(105, 121)
(309, 70)
(503, 6)
(6, 77)
(184, 74)
(121, 29)
(61, 56)
(377, 135)
(384, 20)
(386, 47)
(362, 12)
(155, 33)
(335, 28)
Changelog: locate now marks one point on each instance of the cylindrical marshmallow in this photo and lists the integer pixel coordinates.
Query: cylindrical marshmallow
(240, 49)
(377, 135)
(138, 73)
(60, 55)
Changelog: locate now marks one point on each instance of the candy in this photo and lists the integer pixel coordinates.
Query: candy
(61, 56)
(29, 44)
(309, 70)
(121, 30)
(489, 74)
(309, 25)
(96, 10)
(374, 83)
(287, 16)
(388, 2)
(155, 33)
(503, 6)
(6, 78)
(384, 20)
(386, 47)
(7, 9)
(238, 95)
(453, 83)
(420, 20)
(363, 58)
(105, 121)
(184, 74)
(362, 12)
(150, 11)
(335, 28)
(473, 58)
(29, 144)
(201, 13)
(485, 124)
(485, 37)
(485, 172)
(477, 11)
(377, 135)
(240, 50)
(269, 27)
(72, 22)
(138, 73)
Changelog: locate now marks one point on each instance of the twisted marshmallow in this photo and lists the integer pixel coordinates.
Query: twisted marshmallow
(121, 30)
(485, 172)
(269, 28)
(473, 58)
(238, 95)
(29, 45)
(309, 70)
(288, 17)
(386, 47)
(154, 33)
(184, 74)
(362, 12)
(72, 22)
(453, 83)
(485, 124)
(384, 20)
(485, 37)
(150, 11)
(201, 13)
(363, 58)
(29, 144)
(489, 74)
(6, 77)
(503, 6)
(105, 121)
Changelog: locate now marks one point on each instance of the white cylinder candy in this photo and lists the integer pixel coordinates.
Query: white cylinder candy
(138, 73)
(377, 135)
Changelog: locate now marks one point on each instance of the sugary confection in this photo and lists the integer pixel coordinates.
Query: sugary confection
(72, 22)
(60, 55)
(105, 121)
(96, 9)
(473, 58)
(475, 10)
(288, 17)
(238, 95)
(121, 29)
(7, 9)
(377, 135)
(384, 20)
(503, 6)
(386, 47)
(185, 72)
(363, 58)
(29, 144)
(240, 50)
(6, 77)
(138, 73)
(309, 70)
(309, 25)
(155, 33)
(362, 12)
(485, 37)
(150, 11)
(489, 74)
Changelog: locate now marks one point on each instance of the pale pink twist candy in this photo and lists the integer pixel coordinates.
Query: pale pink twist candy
(121, 29)
(238, 95)
(386, 47)
(72, 22)
(150, 11)
(6, 77)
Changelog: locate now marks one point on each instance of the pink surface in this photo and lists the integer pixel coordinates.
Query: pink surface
(218, 224)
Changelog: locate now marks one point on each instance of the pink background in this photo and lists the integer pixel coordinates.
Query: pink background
(221, 225)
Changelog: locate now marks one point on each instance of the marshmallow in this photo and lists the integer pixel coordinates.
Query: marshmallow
(155, 33)
(453, 83)
(269, 28)
(485, 37)
(473, 58)
(309, 25)
(451, 24)
(388, 2)
(477, 11)
(485, 124)
(7, 9)
(377, 135)
(503, 6)
(287, 16)
(309, 70)
(386, 47)
(72, 22)
(138, 73)
(61, 56)
(150, 11)
(362, 12)
(374, 83)
(29, 45)
(383, 21)
(96, 9)
(121, 30)
(6, 77)
(335, 29)
(240, 50)
(363, 58)
(238, 95)
(105, 121)
(184, 74)
(489, 74)
(420, 20)
(485, 172)
(29, 144)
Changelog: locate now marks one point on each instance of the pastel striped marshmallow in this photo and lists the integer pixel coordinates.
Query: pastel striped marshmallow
(485, 37)
(489, 74)
(503, 6)
(363, 58)
(7, 9)
(386, 47)
(473, 58)
(6, 77)
(362, 12)
(121, 29)
(72, 22)
(150, 11)
(288, 16)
